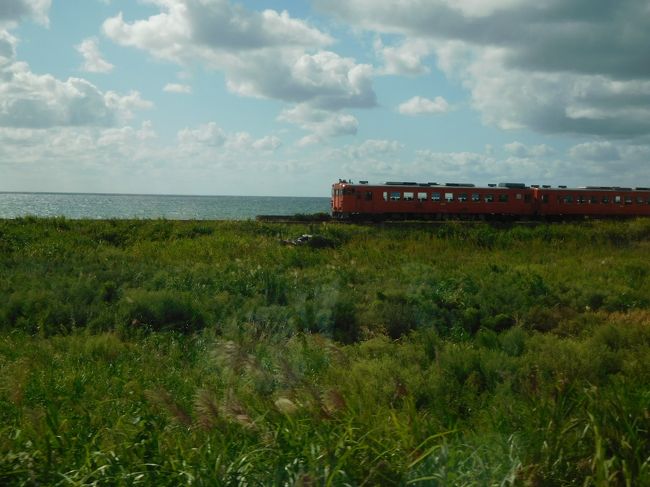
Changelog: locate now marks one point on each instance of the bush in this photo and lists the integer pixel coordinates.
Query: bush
(159, 310)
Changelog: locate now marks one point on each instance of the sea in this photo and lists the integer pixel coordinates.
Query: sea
(172, 207)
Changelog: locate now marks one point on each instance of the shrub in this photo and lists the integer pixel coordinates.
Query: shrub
(159, 310)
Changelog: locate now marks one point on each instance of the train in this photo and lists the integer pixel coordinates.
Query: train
(502, 201)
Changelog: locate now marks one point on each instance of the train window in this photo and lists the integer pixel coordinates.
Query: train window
(567, 199)
(348, 190)
(527, 198)
(408, 195)
(422, 196)
(518, 196)
(639, 200)
(593, 200)
(368, 195)
(395, 195)
(580, 199)
(449, 197)
(385, 196)
(617, 199)
(544, 198)
(628, 200)
(503, 198)
(489, 198)
(435, 196)
(605, 199)
(462, 197)
(476, 197)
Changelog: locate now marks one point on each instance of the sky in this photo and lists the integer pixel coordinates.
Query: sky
(283, 98)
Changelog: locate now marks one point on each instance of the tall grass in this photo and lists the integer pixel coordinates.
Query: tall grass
(173, 353)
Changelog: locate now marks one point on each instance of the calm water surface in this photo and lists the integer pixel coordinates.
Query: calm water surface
(100, 206)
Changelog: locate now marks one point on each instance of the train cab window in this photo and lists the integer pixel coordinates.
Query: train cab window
(605, 199)
(435, 196)
(476, 197)
(593, 200)
(544, 198)
(462, 197)
(395, 195)
(348, 190)
(422, 196)
(628, 200)
(503, 198)
(449, 197)
(408, 195)
(489, 198)
(617, 199)
(368, 195)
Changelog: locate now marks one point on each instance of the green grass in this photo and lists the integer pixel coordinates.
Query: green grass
(208, 353)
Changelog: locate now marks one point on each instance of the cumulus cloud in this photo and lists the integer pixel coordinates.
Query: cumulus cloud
(372, 157)
(7, 48)
(209, 138)
(595, 151)
(265, 54)
(30, 100)
(321, 123)
(268, 143)
(423, 106)
(177, 88)
(12, 11)
(93, 60)
(39, 101)
(586, 72)
(404, 58)
(517, 149)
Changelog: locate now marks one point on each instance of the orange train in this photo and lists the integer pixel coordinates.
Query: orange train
(406, 200)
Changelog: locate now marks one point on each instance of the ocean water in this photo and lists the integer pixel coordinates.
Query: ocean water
(102, 206)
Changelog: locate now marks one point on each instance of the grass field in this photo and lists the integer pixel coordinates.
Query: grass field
(209, 353)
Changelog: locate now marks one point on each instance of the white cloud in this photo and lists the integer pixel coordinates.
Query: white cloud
(7, 48)
(209, 135)
(423, 106)
(12, 11)
(30, 100)
(40, 101)
(268, 143)
(93, 61)
(405, 58)
(587, 72)
(265, 54)
(322, 123)
(517, 149)
(595, 151)
(177, 88)
(210, 140)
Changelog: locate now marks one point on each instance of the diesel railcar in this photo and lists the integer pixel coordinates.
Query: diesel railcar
(411, 200)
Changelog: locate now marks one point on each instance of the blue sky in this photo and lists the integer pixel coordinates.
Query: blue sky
(285, 97)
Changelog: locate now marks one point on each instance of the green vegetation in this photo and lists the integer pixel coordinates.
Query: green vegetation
(209, 353)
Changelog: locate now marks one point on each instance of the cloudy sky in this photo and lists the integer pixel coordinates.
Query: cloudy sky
(284, 97)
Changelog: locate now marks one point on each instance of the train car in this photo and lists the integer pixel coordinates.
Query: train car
(592, 201)
(430, 200)
(406, 200)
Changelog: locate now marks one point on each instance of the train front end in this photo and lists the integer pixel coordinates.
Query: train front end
(342, 203)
